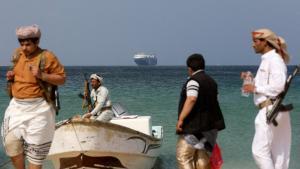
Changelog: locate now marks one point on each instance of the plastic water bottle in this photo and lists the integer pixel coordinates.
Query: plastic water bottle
(247, 79)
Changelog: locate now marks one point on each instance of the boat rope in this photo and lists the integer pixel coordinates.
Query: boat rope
(77, 138)
(5, 163)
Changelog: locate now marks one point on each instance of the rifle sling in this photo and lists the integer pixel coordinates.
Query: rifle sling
(45, 85)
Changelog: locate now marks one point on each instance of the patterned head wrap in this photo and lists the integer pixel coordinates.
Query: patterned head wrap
(97, 77)
(276, 41)
(26, 32)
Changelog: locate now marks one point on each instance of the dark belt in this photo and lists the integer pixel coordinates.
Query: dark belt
(106, 108)
(265, 103)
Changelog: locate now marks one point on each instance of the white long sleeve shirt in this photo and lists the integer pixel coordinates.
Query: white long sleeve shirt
(270, 78)
(101, 98)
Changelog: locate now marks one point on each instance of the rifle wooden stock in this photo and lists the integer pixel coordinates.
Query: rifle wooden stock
(50, 94)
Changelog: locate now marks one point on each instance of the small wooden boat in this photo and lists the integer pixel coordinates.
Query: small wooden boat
(125, 142)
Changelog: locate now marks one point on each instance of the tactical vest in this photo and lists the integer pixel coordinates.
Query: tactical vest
(206, 113)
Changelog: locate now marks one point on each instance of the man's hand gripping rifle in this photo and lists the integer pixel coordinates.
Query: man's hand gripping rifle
(86, 96)
(277, 106)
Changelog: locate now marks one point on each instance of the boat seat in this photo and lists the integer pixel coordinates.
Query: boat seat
(140, 123)
(119, 110)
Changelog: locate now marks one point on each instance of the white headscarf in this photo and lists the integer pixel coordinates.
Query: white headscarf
(97, 77)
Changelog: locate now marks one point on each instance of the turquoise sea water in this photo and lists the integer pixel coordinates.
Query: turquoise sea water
(155, 91)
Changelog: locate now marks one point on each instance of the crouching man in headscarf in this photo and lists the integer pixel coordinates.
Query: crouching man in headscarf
(100, 97)
(29, 120)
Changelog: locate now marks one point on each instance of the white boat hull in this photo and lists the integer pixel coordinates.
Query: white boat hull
(94, 144)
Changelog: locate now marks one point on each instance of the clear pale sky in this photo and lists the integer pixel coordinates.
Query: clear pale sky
(110, 32)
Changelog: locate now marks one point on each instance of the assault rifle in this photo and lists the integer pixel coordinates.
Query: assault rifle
(51, 95)
(86, 96)
(277, 106)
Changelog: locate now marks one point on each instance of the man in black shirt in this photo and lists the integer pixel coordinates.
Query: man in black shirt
(199, 117)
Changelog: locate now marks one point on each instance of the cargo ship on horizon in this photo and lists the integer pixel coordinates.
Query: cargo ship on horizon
(142, 59)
